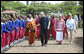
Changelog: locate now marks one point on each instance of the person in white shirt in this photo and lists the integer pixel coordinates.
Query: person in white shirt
(29, 18)
(70, 24)
(76, 21)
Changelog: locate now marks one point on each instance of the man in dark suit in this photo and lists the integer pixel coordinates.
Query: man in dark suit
(45, 24)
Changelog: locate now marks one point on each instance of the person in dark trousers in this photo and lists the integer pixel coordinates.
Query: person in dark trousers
(45, 24)
(79, 20)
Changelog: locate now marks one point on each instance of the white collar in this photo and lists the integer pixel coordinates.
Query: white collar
(10, 21)
(5, 22)
(2, 23)
(29, 19)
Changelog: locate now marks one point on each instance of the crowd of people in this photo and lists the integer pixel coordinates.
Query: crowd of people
(12, 29)
(15, 28)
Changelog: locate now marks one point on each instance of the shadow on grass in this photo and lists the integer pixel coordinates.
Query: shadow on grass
(28, 46)
(59, 44)
(79, 41)
(42, 46)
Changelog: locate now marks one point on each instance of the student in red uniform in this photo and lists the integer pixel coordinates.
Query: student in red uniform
(24, 21)
(17, 23)
(67, 17)
(65, 30)
(23, 26)
(13, 29)
(49, 30)
(14, 26)
(37, 26)
(12, 34)
(2, 34)
(52, 27)
(9, 29)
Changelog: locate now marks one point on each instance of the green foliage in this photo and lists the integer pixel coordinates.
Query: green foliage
(81, 3)
(35, 8)
(80, 8)
(17, 6)
(1, 9)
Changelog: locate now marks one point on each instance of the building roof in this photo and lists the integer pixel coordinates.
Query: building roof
(9, 11)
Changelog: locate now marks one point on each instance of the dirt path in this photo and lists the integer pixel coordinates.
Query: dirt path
(52, 47)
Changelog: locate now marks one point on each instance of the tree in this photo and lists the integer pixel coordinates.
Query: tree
(36, 8)
(27, 2)
(1, 9)
(81, 8)
(81, 3)
(17, 6)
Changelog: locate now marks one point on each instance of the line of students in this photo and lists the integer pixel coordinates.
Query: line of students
(12, 30)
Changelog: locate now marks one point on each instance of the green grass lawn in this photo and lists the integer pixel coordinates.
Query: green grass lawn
(82, 21)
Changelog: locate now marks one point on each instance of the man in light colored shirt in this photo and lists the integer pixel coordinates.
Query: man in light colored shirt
(70, 24)
(76, 20)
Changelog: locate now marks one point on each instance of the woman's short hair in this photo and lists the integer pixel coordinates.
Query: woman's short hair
(70, 14)
(41, 12)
